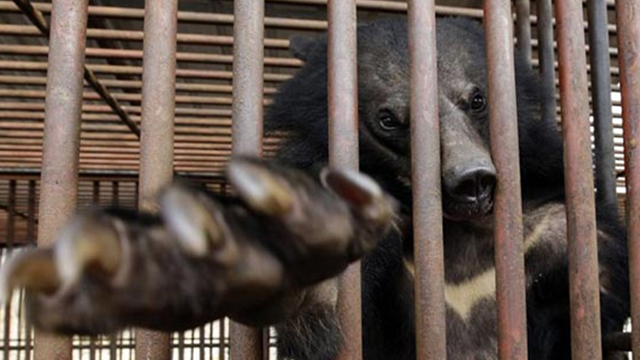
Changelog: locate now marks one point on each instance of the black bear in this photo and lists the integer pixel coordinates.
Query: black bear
(270, 254)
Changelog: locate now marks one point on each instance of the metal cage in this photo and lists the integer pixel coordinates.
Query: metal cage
(103, 102)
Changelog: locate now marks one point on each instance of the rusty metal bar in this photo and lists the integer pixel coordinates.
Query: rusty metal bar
(10, 242)
(222, 345)
(31, 225)
(156, 141)
(32, 117)
(581, 226)
(628, 20)
(248, 75)
(523, 29)
(131, 35)
(90, 175)
(136, 70)
(103, 109)
(37, 18)
(59, 182)
(19, 80)
(95, 193)
(430, 306)
(136, 195)
(183, 99)
(343, 150)
(205, 58)
(115, 193)
(601, 100)
(508, 236)
(11, 216)
(547, 58)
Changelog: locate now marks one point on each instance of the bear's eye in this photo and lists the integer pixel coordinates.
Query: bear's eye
(388, 121)
(478, 102)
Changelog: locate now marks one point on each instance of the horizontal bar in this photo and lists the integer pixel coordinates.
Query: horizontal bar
(131, 35)
(114, 136)
(180, 99)
(208, 58)
(92, 175)
(128, 84)
(136, 70)
(4, 105)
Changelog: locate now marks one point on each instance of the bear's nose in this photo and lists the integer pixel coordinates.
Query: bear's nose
(471, 183)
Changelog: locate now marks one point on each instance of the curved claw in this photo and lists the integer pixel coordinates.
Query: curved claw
(194, 225)
(260, 189)
(87, 242)
(361, 192)
(32, 269)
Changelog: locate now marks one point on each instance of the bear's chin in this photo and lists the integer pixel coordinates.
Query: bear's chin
(467, 211)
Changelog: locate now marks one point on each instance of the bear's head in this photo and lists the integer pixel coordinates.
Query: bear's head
(468, 172)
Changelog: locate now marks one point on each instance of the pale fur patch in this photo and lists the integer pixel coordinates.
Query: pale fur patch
(463, 297)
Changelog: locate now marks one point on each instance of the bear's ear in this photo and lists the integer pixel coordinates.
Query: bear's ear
(301, 47)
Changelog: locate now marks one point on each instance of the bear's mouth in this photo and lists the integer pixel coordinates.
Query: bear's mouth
(456, 210)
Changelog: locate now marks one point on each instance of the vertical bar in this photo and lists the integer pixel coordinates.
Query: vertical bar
(601, 99)
(628, 22)
(114, 201)
(115, 193)
(547, 58)
(248, 72)
(223, 339)
(63, 106)
(425, 165)
(92, 348)
(266, 342)
(180, 346)
(31, 224)
(201, 343)
(31, 215)
(11, 215)
(136, 194)
(95, 194)
(581, 220)
(113, 346)
(523, 29)
(343, 150)
(156, 140)
(11, 218)
(508, 237)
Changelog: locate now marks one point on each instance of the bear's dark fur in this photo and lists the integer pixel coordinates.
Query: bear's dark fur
(300, 109)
